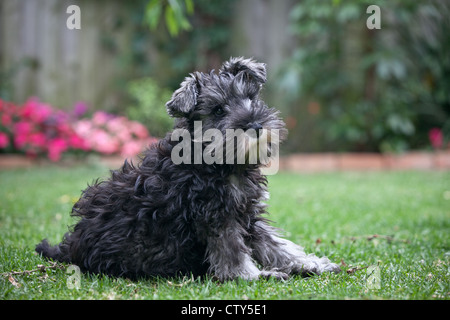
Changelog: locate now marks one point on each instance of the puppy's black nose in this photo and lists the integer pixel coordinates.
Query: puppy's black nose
(256, 126)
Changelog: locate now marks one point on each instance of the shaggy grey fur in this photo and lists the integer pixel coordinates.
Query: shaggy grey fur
(166, 219)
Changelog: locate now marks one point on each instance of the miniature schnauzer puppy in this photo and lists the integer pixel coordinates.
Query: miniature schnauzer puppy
(168, 218)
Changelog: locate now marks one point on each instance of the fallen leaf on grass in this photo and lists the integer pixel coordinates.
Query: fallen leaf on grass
(40, 268)
(354, 269)
(14, 282)
(182, 284)
(389, 239)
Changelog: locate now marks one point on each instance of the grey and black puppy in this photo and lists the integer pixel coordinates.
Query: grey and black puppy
(165, 219)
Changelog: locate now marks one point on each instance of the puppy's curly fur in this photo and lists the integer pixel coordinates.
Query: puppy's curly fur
(164, 219)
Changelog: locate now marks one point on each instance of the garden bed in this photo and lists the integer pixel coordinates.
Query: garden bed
(319, 162)
(15, 161)
(366, 161)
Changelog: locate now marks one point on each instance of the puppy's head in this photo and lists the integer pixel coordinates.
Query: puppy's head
(238, 76)
(228, 103)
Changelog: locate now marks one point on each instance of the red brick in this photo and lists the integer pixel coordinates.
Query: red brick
(310, 162)
(442, 160)
(113, 162)
(412, 160)
(9, 161)
(361, 161)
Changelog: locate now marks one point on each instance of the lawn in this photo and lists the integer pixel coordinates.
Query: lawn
(388, 230)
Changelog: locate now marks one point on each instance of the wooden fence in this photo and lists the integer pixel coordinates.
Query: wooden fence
(43, 57)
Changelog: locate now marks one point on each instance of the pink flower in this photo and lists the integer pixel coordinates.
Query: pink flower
(64, 128)
(61, 117)
(37, 128)
(109, 147)
(55, 148)
(83, 128)
(131, 148)
(77, 142)
(139, 129)
(101, 118)
(29, 107)
(117, 124)
(21, 131)
(43, 113)
(102, 142)
(8, 112)
(36, 111)
(436, 138)
(4, 140)
(22, 128)
(99, 136)
(6, 120)
(80, 108)
(38, 139)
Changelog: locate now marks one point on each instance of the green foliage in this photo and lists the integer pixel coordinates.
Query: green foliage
(203, 48)
(329, 214)
(8, 72)
(154, 52)
(378, 90)
(148, 105)
(175, 12)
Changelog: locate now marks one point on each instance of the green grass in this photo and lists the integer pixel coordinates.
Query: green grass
(333, 214)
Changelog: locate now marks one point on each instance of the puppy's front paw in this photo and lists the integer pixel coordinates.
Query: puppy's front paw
(333, 267)
(327, 265)
(316, 265)
(274, 274)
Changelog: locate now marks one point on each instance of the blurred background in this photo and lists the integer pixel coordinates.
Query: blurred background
(341, 87)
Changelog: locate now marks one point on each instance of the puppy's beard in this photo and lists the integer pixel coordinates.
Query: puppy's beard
(235, 146)
(251, 147)
(264, 148)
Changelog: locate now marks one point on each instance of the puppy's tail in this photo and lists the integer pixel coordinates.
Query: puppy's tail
(51, 252)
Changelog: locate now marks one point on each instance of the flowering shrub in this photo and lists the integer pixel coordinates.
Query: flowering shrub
(38, 129)
(109, 134)
(35, 128)
(436, 138)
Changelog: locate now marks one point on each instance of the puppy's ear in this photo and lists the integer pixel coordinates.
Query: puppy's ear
(184, 99)
(254, 70)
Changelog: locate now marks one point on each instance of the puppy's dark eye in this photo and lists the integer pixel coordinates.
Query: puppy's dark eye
(218, 111)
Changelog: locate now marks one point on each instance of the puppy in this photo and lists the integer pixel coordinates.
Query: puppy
(195, 202)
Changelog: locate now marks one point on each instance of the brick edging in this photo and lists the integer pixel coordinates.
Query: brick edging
(320, 162)
(439, 160)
